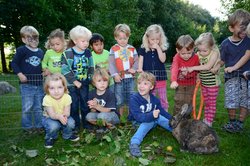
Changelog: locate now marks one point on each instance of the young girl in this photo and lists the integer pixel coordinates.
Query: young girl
(55, 46)
(57, 110)
(152, 58)
(209, 55)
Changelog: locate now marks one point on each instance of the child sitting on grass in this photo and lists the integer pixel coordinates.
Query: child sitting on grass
(102, 101)
(146, 110)
(57, 110)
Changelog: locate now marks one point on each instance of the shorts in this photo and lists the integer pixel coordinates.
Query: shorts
(236, 93)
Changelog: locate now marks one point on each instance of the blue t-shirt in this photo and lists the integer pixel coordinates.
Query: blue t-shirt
(231, 53)
(152, 63)
(28, 62)
(141, 110)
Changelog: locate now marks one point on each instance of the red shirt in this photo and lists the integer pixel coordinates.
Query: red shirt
(177, 75)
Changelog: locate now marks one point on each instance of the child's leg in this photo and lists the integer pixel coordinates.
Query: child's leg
(91, 117)
(141, 132)
(110, 118)
(68, 128)
(83, 95)
(161, 88)
(128, 89)
(51, 127)
(37, 107)
(74, 109)
(119, 97)
(164, 122)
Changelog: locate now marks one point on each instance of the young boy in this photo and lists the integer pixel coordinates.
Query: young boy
(27, 65)
(146, 110)
(232, 50)
(123, 63)
(102, 101)
(77, 67)
(100, 55)
(182, 81)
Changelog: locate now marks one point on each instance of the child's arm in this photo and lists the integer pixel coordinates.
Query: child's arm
(239, 64)
(134, 67)
(61, 117)
(113, 70)
(45, 64)
(93, 104)
(140, 64)
(208, 66)
(174, 73)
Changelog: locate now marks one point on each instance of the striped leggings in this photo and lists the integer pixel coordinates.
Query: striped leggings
(210, 95)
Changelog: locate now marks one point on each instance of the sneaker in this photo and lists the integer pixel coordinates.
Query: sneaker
(233, 127)
(135, 150)
(238, 126)
(74, 138)
(49, 143)
(207, 123)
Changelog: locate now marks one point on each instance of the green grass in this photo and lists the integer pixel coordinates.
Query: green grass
(112, 148)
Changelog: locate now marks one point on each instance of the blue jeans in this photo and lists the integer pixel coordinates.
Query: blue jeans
(32, 97)
(79, 100)
(52, 127)
(144, 128)
(109, 117)
(123, 90)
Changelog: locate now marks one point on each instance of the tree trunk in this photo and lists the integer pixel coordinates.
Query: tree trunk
(3, 59)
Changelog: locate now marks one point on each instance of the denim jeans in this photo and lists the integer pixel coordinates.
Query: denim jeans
(79, 100)
(32, 97)
(109, 117)
(52, 127)
(144, 128)
(123, 90)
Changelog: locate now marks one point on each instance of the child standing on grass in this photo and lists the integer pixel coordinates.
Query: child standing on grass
(152, 58)
(55, 46)
(209, 55)
(182, 81)
(102, 101)
(77, 67)
(146, 110)
(232, 50)
(123, 63)
(100, 55)
(27, 65)
(57, 110)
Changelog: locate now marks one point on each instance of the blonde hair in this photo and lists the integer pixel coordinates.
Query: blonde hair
(28, 31)
(147, 76)
(185, 41)
(151, 30)
(240, 16)
(55, 77)
(80, 31)
(57, 33)
(100, 72)
(206, 39)
(122, 28)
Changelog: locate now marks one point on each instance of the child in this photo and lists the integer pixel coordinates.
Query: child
(123, 63)
(100, 55)
(232, 50)
(209, 55)
(27, 65)
(146, 110)
(77, 67)
(102, 101)
(55, 46)
(181, 81)
(152, 58)
(57, 110)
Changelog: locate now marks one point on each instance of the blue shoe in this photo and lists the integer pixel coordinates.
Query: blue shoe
(49, 143)
(74, 138)
(135, 150)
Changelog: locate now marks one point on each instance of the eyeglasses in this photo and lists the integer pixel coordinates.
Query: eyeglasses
(32, 38)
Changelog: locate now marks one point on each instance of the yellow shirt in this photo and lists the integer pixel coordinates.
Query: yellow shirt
(58, 105)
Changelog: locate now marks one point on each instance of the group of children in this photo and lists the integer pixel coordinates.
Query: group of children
(69, 72)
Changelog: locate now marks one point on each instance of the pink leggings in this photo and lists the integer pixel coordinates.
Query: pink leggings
(161, 89)
(210, 94)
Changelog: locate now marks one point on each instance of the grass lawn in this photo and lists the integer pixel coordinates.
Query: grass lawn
(18, 148)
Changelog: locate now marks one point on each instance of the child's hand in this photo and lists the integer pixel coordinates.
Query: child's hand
(118, 78)
(77, 84)
(92, 103)
(139, 70)
(155, 46)
(184, 71)
(22, 77)
(190, 69)
(174, 85)
(46, 72)
(132, 71)
(229, 69)
(215, 69)
(156, 113)
(63, 119)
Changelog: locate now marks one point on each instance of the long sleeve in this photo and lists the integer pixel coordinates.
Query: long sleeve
(17, 61)
(66, 68)
(174, 69)
(112, 67)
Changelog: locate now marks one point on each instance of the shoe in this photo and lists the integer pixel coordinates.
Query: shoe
(135, 150)
(207, 123)
(233, 127)
(49, 143)
(74, 138)
(238, 126)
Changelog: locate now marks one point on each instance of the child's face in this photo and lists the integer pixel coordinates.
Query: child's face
(31, 41)
(185, 54)
(154, 39)
(81, 43)
(122, 39)
(204, 50)
(100, 83)
(57, 44)
(144, 87)
(98, 47)
(239, 31)
(56, 89)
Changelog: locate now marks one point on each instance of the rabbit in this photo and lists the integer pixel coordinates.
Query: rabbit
(5, 88)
